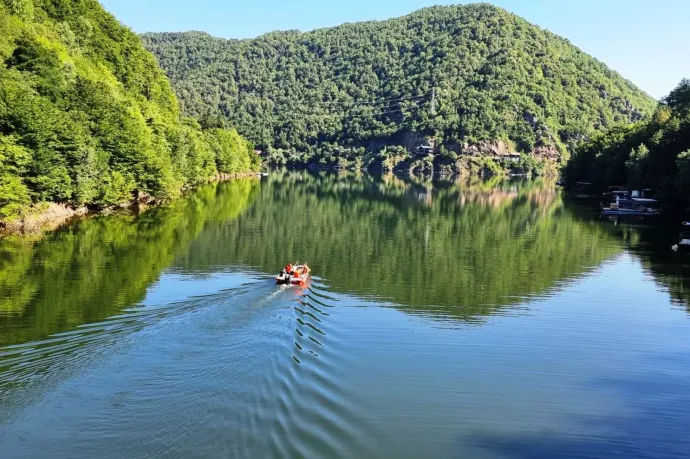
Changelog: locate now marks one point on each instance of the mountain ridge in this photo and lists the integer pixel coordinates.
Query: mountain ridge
(497, 77)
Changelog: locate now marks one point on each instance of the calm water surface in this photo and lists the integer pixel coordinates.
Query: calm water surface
(464, 320)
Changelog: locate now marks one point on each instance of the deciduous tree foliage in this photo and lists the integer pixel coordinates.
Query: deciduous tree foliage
(648, 154)
(368, 85)
(87, 117)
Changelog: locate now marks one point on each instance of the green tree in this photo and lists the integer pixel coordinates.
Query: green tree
(679, 99)
(683, 177)
(634, 166)
(22, 8)
(88, 118)
(644, 154)
(468, 74)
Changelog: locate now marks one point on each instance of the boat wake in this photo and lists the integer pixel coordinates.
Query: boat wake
(255, 370)
(26, 369)
(301, 405)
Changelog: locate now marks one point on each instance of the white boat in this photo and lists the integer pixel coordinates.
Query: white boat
(633, 207)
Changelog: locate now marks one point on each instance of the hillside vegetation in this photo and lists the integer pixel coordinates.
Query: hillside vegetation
(654, 153)
(88, 118)
(343, 94)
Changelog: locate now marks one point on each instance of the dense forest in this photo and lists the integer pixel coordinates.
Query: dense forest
(654, 153)
(88, 118)
(478, 80)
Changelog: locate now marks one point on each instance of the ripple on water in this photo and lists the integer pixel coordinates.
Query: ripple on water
(301, 397)
(171, 364)
(27, 366)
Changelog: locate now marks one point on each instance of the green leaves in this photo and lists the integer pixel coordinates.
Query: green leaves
(14, 195)
(117, 188)
(635, 166)
(496, 77)
(88, 118)
(679, 99)
(22, 8)
(683, 177)
(14, 158)
(232, 152)
(651, 154)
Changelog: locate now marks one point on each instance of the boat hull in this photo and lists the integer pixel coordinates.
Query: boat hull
(628, 212)
(292, 280)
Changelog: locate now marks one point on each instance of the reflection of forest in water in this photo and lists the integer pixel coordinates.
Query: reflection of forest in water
(651, 243)
(459, 250)
(98, 266)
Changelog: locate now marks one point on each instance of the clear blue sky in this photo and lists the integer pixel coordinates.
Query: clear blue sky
(647, 41)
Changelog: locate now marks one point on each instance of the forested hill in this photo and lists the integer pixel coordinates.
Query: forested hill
(88, 118)
(366, 85)
(654, 153)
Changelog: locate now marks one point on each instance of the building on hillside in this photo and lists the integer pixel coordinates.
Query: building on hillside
(428, 149)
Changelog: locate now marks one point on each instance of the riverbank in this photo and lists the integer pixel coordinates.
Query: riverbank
(49, 216)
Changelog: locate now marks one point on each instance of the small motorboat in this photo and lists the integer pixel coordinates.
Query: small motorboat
(297, 274)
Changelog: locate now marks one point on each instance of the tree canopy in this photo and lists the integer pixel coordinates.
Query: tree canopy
(461, 74)
(649, 154)
(88, 118)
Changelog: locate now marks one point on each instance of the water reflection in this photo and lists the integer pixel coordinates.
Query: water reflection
(98, 266)
(164, 335)
(462, 250)
(651, 243)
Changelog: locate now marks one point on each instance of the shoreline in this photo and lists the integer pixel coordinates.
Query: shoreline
(47, 217)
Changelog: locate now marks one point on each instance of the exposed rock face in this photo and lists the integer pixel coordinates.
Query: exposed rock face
(499, 149)
(493, 148)
(547, 151)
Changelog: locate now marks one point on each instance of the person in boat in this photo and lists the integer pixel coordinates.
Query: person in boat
(288, 269)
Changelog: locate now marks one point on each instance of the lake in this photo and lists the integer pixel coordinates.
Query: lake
(444, 320)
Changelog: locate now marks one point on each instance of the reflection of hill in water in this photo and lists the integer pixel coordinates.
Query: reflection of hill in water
(457, 250)
(652, 245)
(99, 266)
(460, 250)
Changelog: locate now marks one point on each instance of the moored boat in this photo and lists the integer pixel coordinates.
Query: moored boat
(633, 207)
(616, 192)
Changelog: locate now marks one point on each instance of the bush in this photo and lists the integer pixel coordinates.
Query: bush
(14, 197)
(491, 167)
